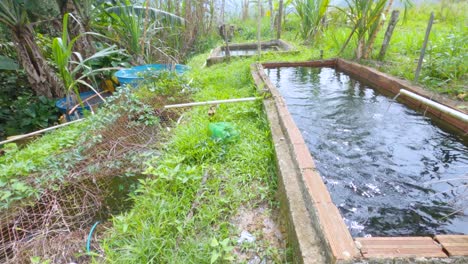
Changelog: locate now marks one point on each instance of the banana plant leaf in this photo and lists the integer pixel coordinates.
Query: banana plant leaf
(8, 64)
(154, 13)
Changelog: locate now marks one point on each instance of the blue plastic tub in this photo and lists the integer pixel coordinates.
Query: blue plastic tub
(61, 104)
(133, 76)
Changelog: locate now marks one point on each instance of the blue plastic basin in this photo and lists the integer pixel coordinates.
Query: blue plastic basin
(61, 104)
(133, 76)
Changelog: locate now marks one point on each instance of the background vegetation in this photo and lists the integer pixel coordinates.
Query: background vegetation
(194, 187)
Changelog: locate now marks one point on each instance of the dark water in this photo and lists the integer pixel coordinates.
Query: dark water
(384, 164)
(239, 52)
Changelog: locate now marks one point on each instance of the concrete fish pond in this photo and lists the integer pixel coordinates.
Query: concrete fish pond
(218, 55)
(379, 180)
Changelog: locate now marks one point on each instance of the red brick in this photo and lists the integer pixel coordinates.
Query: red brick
(336, 233)
(456, 245)
(315, 186)
(395, 247)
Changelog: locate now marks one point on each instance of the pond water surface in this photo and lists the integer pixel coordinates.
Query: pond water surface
(240, 52)
(387, 167)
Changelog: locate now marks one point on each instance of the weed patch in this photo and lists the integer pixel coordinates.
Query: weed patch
(183, 211)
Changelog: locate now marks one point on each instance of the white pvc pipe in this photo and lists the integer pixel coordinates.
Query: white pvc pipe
(166, 107)
(14, 138)
(444, 109)
(237, 100)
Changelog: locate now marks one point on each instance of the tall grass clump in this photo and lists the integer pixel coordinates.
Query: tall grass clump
(364, 16)
(145, 32)
(311, 13)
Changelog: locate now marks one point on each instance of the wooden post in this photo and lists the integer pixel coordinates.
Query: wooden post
(389, 33)
(280, 17)
(272, 17)
(423, 49)
(223, 6)
(259, 26)
(227, 50)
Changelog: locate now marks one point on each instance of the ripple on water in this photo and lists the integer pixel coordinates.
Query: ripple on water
(386, 166)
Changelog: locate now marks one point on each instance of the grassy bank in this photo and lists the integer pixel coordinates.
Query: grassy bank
(191, 208)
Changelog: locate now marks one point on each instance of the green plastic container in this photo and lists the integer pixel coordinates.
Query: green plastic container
(223, 131)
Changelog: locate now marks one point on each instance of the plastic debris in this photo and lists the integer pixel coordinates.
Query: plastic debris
(246, 237)
(223, 131)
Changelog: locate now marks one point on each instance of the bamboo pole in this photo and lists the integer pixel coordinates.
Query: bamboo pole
(259, 26)
(423, 49)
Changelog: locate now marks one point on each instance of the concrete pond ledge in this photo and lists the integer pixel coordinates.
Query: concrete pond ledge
(217, 57)
(316, 230)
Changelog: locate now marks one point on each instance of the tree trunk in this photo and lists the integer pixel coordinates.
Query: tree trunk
(272, 16)
(177, 7)
(41, 76)
(200, 16)
(245, 10)
(360, 48)
(370, 43)
(83, 44)
(388, 33)
(280, 16)
(190, 26)
(212, 15)
(223, 7)
(259, 27)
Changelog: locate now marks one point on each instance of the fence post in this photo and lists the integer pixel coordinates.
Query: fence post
(280, 16)
(259, 27)
(423, 49)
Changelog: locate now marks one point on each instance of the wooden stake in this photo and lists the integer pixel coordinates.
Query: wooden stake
(259, 26)
(423, 49)
(280, 16)
(389, 33)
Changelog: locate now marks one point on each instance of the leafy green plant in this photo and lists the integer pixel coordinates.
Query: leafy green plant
(221, 251)
(50, 158)
(364, 15)
(16, 15)
(447, 59)
(28, 113)
(143, 31)
(311, 13)
(74, 73)
(7, 63)
(39, 260)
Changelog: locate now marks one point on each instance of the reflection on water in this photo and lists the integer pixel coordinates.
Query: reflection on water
(385, 167)
(240, 52)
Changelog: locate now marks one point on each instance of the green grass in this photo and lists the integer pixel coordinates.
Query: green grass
(18, 164)
(183, 210)
(159, 229)
(47, 162)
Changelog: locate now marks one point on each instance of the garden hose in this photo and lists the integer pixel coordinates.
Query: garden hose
(90, 235)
